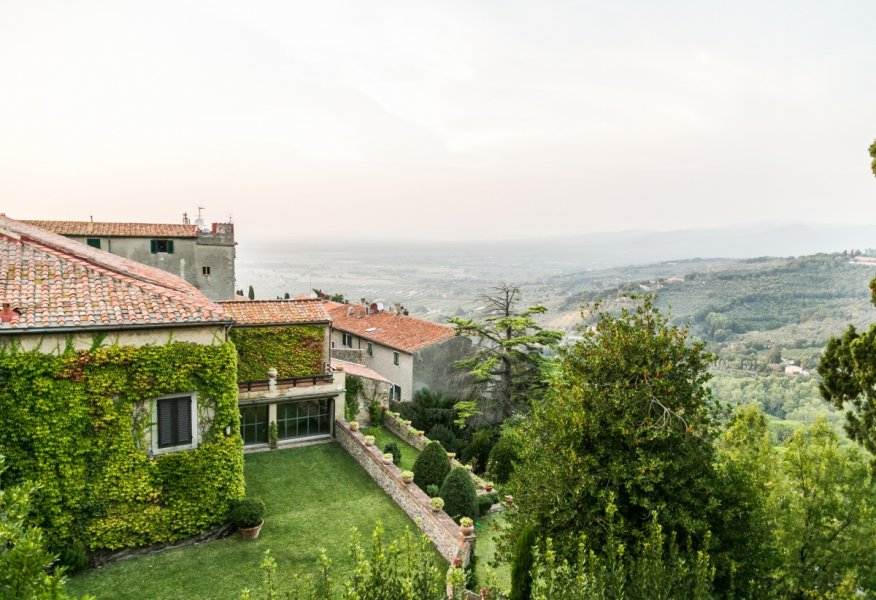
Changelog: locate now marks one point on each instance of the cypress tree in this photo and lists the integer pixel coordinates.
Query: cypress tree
(432, 466)
(460, 497)
(521, 565)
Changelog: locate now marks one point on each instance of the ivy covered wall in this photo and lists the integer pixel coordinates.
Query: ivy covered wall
(77, 424)
(294, 350)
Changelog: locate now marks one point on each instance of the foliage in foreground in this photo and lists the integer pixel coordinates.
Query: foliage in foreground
(402, 569)
(657, 570)
(24, 561)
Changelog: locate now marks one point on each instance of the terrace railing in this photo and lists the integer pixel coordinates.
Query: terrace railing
(289, 382)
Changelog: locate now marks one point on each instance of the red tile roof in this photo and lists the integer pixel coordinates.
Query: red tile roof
(158, 230)
(56, 282)
(276, 312)
(358, 370)
(401, 332)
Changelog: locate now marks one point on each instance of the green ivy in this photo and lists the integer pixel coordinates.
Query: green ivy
(295, 351)
(75, 425)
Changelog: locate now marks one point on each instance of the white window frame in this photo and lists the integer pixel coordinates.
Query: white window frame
(194, 408)
(347, 340)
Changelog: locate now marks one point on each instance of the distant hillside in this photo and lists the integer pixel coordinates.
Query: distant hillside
(749, 312)
(793, 303)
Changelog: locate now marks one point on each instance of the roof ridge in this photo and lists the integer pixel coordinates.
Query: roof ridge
(104, 259)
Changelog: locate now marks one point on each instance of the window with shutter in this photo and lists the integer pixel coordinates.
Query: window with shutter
(173, 423)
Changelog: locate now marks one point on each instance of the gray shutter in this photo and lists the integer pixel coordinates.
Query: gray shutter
(165, 423)
(183, 421)
(170, 246)
(153, 246)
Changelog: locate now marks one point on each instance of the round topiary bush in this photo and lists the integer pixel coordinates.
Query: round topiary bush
(247, 512)
(460, 497)
(432, 466)
(502, 458)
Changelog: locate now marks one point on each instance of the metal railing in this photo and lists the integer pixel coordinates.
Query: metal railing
(305, 381)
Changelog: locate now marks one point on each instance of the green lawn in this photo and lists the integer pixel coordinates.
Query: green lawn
(488, 532)
(383, 436)
(314, 497)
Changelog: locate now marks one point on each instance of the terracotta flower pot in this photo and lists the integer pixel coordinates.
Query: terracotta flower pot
(466, 530)
(251, 533)
(407, 480)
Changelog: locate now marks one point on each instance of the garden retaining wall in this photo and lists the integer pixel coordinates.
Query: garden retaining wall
(438, 526)
(393, 422)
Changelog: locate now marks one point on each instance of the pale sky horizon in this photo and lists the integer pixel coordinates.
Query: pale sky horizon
(455, 119)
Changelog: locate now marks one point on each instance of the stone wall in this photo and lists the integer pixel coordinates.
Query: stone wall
(437, 526)
(393, 422)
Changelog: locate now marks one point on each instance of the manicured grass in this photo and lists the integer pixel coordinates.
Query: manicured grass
(383, 436)
(488, 532)
(314, 496)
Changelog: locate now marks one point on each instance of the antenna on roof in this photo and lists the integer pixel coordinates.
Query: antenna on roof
(199, 222)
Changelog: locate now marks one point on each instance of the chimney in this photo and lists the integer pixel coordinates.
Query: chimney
(350, 311)
(398, 309)
(186, 219)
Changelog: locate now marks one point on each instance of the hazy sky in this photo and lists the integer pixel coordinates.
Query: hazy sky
(438, 119)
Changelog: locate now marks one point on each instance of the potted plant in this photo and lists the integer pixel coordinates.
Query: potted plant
(451, 455)
(369, 440)
(248, 515)
(387, 458)
(469, 468)
(436, 504)
(420, 433)
(354, 425)
(466, 526)
(272, 373)
(407, 476)
(488, 486)
(273, 435)
(406, 423)
(509, 500)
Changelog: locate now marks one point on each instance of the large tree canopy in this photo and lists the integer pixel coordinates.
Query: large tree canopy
(848, 371)
(628, 424)
(873, 156)
(509, 359)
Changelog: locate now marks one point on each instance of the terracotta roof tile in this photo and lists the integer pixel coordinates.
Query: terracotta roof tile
(58, 282)
(358, 370)
(276, 312)
(401, 332)
(161, 230)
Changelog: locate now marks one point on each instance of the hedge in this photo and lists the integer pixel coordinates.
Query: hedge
(76, 425)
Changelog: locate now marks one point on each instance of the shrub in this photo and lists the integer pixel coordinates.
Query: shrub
(460, 497)
(432, 466)
(432, 490)
(477, 451)
(351, 397)
(521, 565)
(485, 501)
(440, 433)
(427, 409)
(502, 457)
(375, 413)
(73, 556)
(392, 448)
(247, 512)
